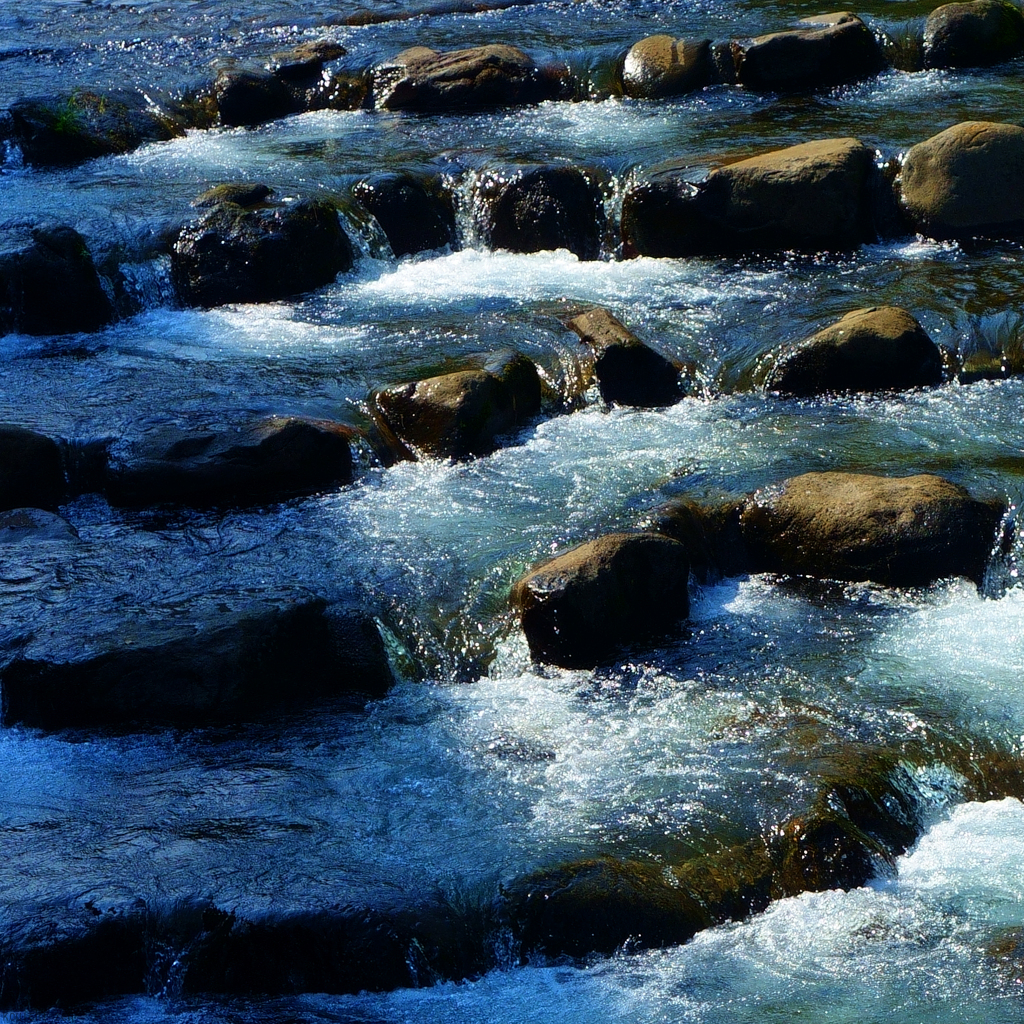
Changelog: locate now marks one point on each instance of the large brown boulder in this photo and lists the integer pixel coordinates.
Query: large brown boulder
(881, 348)
(262, 461)
(245, 249)
(628, 371)
(898, 531)
(966, 35)
(461, 414)
(831, 49)
(660, 66)
(583, 607)
(815, 196)
(478, 78)
(540, 209)
(967, 181)
(51, 287)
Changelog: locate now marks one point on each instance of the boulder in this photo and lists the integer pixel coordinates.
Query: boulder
(31, 470)
(897, 531)
(34, 525)
(461, 414)
(51, 287)
(258, 253)
(967, 181)
(306, 60)
(583, 607)
(711, 534)
(76, 126)
(541, 209)
(881, 348)
(831, 49)
(414, 212)
(811, 197)
(478, 78)
(661, 66)
(175, 669)
(261, 461)
(968, 35)
(628, 371)
(247, 98)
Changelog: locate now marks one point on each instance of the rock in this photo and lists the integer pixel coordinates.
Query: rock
(811, 197)
(77, 126)
(34, 525)
(967, 35)
(415, 213)
(52, 286)
(478, 78)
(584, 606)
(305, 60)
(660, 66)
(882, 348)
(247, 98)
(240, 193)
(628, 371)
(236, 253)
(710, 533)
(967, 181)
(832, 49)
(541, 209)
(460, 414)
(225, 666)
(898, 531)
(31, 470)
(262, 461)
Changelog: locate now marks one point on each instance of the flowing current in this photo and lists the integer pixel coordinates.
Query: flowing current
(479, 766)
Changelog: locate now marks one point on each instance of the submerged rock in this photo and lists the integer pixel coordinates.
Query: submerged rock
(31, 470)
(540, 209)
(967, 181)
(33, 525)
(414, 212)
(831, 49)
(259, 252)
(966, 35)
(52, 286)
(880, 348)
(585, 606)
(80, 125)
(478, 78)
(461, 414)
(898, 531)
(628, 371)
(225, 666)
(269, 459)
(814, 196)
(661, 65)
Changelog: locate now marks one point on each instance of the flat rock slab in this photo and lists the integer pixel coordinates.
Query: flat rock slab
(967, 181)
(261, 461)
(881, 348)
(584, 607)
(898, 531)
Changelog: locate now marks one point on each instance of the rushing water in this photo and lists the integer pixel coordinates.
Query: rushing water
(480, 766)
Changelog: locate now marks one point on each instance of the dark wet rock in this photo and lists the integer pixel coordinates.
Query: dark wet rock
(247, 98)
(415, 213)
(31, 470)
(221, 666)
(261, 461)
(830, 49)
(34, 525)
(242, 193)
(461, 414)
(967, 35)
(305, 60)
(583, 607)
(244, 253)
(478, 78)
(710, 533)
(823, 850)
(628, 371)
(967, 181)
(898, 531)
(660, 66)
(540, 209)
(51, 287)
(77, 126)
(880, 348)
(815, 196)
